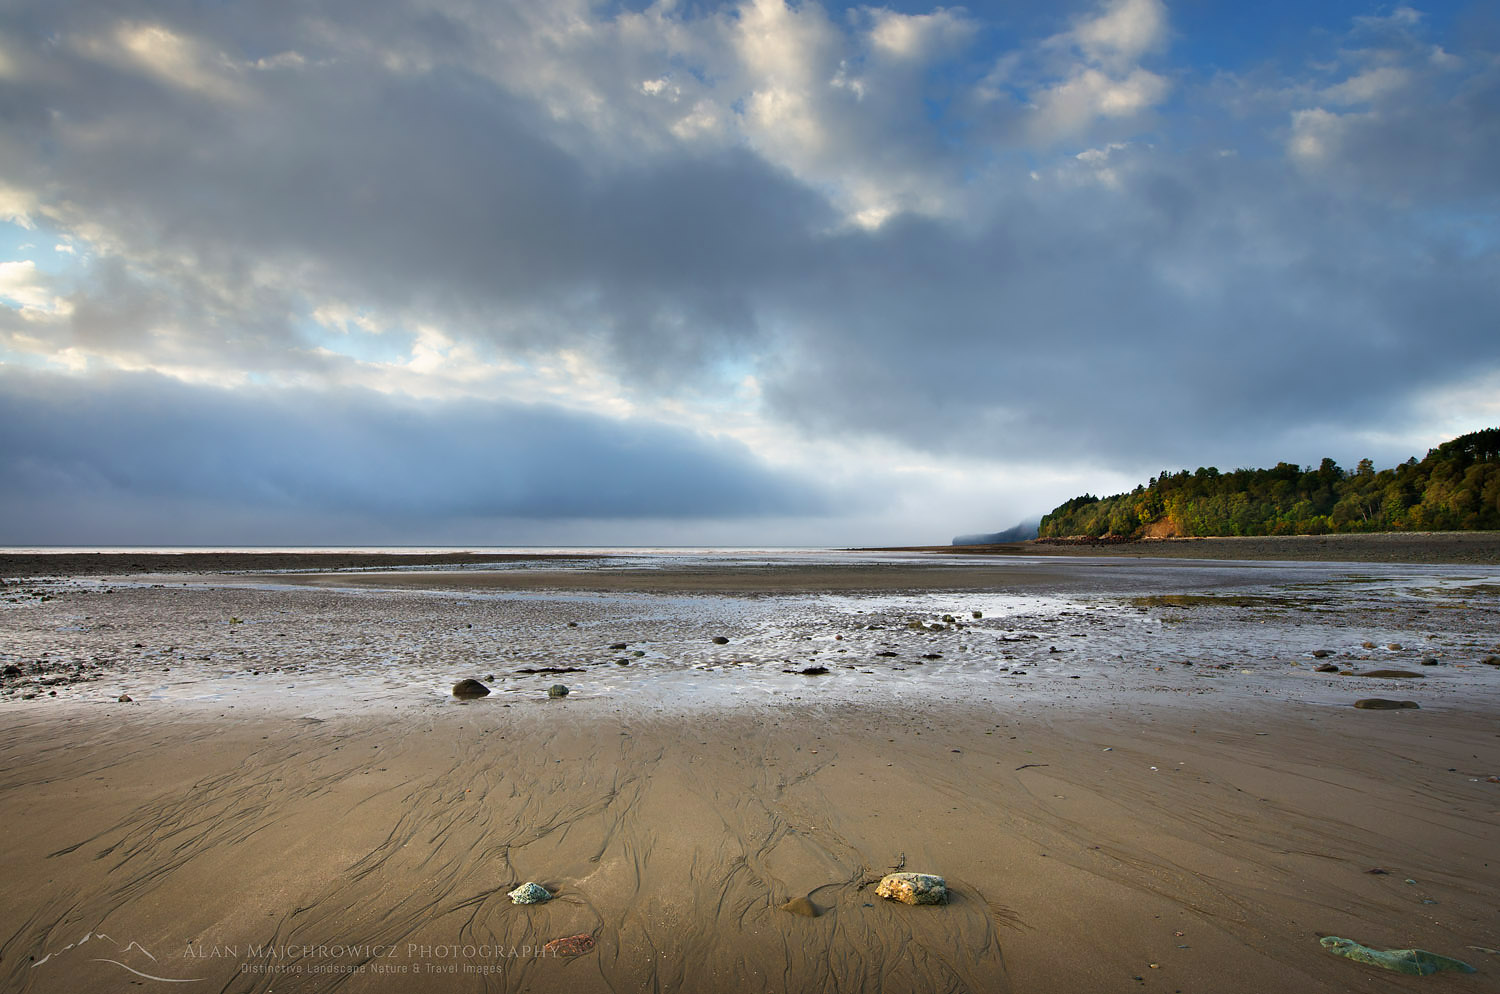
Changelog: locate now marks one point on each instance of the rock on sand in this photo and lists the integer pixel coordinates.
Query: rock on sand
(571, 945)
(1382, 704)
(530, 893)
(467, 690)
(913, 888)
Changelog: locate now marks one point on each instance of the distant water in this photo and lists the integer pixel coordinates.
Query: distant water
(414, 550)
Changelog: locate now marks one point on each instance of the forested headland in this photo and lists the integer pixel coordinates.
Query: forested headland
(1456, 487)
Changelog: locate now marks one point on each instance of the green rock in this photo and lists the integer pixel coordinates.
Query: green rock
(530, 893)
(557, 690)
(1383, 704)
(1414, 962)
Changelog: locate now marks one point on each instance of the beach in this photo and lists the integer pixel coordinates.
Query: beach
(1130, 773)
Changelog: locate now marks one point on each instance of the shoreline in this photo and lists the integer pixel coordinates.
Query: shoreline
(30, 564)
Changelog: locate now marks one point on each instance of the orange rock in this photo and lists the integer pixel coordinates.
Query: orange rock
(572, 945)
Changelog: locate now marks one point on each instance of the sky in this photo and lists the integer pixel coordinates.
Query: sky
(512, 272)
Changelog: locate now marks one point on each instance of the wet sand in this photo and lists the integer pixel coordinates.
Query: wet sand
(1201, 853)
(1129, 773)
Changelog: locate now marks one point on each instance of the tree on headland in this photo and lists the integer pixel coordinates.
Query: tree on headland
(1455, 488)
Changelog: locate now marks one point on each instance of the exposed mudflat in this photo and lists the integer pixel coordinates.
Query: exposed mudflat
(1130, 773)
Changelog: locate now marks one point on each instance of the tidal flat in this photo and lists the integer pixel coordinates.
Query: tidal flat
(1130, 772)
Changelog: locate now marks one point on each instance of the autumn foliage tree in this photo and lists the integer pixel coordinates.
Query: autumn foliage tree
(1456, 487)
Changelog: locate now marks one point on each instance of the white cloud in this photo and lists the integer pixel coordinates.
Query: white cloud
(339, 317)
(1315, 135)
(918, 36)
(1102, 78)
(27, 290)
(1071, 106)
(1369, 85)
(17, 206)
(172, 58)
(1124, 31)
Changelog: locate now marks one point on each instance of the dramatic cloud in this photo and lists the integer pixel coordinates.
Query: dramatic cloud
(245, 467)
(962, 261)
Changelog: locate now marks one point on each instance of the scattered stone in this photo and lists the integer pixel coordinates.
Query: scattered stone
(977, 614)
(1378, 871)
(572, 945)
(913, 888)
(814, 671)
(532, 670)
(1367, 645)
(886, 654)
(1491, 660)
(1394, 647)
(530, 893)
(1382, 704)
(932, 655)
(622, 662)
(802, 906)
(1321, 654)
(1327, 668)
(720, 640)
(1429, 661)
(1393, 674)
(618, 646)
(468, 690)
(124, 699)
(557, 690)
(1413, 962)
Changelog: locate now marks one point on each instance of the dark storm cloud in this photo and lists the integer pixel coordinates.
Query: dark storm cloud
(1156, 301)
(108, 446)
(1201, 309)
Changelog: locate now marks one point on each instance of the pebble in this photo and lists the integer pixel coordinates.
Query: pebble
(571, 945)
(913, 888)
(1382, 704)
(466, 690)
(557, 690)
(530, 893)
